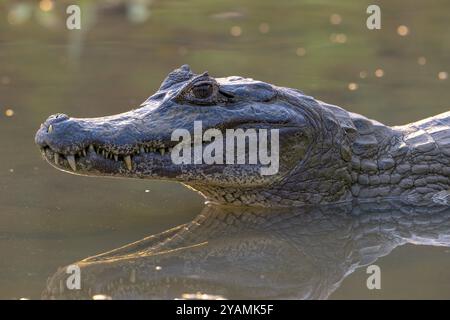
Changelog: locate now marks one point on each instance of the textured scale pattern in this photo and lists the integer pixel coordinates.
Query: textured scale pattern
(327, 154)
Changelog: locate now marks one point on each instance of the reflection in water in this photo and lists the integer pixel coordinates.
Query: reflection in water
(232, 252)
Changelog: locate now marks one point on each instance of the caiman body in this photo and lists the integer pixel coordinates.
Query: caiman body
(326, 155)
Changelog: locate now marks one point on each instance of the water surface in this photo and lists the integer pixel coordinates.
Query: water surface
(49, 219)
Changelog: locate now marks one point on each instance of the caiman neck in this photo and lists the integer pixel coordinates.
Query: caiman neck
(407, 163)
(358, 160)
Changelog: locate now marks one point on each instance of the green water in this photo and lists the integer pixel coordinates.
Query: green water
(119, 58)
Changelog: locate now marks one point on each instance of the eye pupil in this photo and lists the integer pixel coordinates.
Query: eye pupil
(202, 91)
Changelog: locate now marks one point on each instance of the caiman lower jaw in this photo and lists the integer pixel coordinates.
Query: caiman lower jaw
(97, 160)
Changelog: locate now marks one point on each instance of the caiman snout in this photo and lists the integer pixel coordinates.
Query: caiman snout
(61, 134)
(56, 137)
(44, 133)
(106, 145)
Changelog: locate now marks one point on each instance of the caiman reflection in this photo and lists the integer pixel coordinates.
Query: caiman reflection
(251, 253)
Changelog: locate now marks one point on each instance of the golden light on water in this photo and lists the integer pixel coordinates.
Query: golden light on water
(236, 31)
(9, 112)
(46, 5)
(341, 38)
(403, 30)
(363, 74)
(301, 52)
(379, 73)
(101, 297)
(352, 86)
(200, 296)
(338, 38)
(422, 61)
(335, 19)
(264, 27)
(443, 75)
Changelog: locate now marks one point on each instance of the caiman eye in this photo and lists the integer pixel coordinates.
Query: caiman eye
(203, 91)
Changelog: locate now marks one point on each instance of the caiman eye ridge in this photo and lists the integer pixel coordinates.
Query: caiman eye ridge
(107, 153)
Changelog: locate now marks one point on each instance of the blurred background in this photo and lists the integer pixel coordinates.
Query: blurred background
(121, 55)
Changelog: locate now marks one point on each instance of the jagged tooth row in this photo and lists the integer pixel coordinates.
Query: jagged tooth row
(127, 158)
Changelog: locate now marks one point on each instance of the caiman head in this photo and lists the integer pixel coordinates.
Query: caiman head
(313, 154)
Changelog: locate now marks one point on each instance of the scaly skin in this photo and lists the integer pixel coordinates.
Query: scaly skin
(327, 154)
(257, 253)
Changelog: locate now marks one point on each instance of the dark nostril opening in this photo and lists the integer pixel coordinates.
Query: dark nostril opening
(60, 115)
(56, 118)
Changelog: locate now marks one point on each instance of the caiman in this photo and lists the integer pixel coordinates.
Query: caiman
(326, 154)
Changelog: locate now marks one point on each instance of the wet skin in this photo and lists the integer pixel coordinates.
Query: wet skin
(327, 155)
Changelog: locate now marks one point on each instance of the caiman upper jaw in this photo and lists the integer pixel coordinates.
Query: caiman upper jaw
(94, 154)
(67, 146)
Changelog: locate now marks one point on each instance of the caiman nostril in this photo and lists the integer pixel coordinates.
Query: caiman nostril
(56, 118)
(60, 116)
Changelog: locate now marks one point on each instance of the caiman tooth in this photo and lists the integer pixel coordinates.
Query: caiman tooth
(91, 148)
(50, 129)
(84, 152)
(56, 158)
(162, 151)
(142, 150)
(128, 162)
(72, 163)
